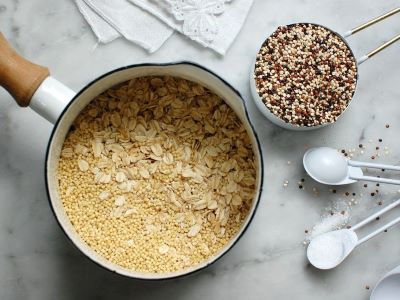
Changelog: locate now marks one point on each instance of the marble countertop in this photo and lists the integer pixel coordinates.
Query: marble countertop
(38, 262)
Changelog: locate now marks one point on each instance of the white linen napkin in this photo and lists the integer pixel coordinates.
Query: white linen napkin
(104, 32)
(112, 19)
(149, 23)
(212, 23)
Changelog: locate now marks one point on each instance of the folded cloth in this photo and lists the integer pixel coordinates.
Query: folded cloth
(212, 23)
(104, 32)
(112, 19)
(149, 23)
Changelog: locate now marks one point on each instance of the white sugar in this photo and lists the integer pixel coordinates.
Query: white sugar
(329, 223)
(328, 250)
(325, 251)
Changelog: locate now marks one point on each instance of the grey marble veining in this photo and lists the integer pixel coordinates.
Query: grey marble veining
(38, 262)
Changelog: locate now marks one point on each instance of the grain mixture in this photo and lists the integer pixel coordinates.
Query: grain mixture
(305, 74)
(157, 174)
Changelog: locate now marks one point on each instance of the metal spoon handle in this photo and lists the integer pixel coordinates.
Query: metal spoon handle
(368, 24)
(375, 179)
(371, 22)
(372, 234)
(372, 165)
(375, 215)
(379, 49)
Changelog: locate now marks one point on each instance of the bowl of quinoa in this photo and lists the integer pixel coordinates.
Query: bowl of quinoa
(158, 176)
(304, 76)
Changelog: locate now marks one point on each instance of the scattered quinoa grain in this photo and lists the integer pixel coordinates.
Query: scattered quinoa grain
(285, 183)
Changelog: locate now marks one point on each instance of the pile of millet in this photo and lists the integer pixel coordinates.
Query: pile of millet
(305, 74)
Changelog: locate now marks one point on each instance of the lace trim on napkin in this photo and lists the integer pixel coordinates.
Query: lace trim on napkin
(198, 16)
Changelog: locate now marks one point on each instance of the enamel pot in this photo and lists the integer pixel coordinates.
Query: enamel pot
(31, 85)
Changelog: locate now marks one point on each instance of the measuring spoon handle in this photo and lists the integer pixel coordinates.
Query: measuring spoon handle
(375, 179)
(379, 49)
(383, 228)
(372, 165)
(368, 24)
(375, 215)
(372, 22)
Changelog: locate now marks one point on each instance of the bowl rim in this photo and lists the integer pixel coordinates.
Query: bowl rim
(258, 146)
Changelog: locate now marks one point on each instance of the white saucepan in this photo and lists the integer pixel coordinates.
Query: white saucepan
(31, 85)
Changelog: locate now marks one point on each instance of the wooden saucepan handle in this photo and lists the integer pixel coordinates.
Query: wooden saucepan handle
(18, 76)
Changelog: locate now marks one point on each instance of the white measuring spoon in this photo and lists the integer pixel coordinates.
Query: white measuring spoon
(388, 288)
(328, 250)
(328, 166)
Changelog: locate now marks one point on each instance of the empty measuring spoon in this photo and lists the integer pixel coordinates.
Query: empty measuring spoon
(328, 166)
(388, 288)
(328, 250)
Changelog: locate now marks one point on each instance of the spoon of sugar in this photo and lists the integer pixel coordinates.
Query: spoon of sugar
(328, 166)
(328, 250)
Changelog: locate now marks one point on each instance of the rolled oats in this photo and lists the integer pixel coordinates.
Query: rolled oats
(175, 162)
(119, 201)
(194, 230)
(83, 165)
(104, 195)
